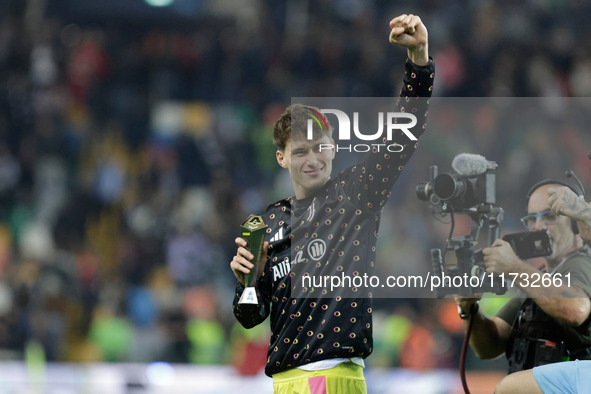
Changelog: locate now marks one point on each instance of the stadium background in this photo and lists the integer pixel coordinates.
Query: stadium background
(135, 139)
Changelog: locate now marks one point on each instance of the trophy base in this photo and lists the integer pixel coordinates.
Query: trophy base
(249, 296)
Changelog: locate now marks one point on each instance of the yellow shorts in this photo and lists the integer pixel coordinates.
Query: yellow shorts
(346, 378)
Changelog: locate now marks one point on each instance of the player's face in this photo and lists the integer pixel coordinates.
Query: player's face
(309, 163)
(563, 238)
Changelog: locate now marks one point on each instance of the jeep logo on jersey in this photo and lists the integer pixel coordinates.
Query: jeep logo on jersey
(345, 125)
(316, 249)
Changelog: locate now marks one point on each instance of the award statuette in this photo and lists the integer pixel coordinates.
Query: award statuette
(253, 232)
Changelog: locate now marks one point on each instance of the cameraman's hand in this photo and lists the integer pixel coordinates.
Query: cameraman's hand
(241, 263)
(500, 258)
(563, 201)
(585, 230)
(465, 303)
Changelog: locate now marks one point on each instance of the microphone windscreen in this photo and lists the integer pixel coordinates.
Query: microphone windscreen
(469, 164)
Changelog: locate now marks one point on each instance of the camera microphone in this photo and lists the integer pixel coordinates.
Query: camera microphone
(469, 164)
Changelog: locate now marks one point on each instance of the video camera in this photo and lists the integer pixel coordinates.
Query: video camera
(471, 189)
(470, 186)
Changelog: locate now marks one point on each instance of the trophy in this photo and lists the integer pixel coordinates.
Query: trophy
(253, 232)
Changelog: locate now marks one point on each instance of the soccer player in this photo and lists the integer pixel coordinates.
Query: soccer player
(318, 344)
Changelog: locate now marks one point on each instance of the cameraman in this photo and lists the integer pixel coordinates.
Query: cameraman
(554, 315)
(566, 377)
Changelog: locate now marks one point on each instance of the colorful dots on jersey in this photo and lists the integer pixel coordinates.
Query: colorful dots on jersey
(312, 304)
(353, 320)
(296, 355)
(353, 305)
(358, 212)
(336, 344)
(337, 314)
(352, 335)
(320, 351)
(338, 298)
(320, 336)
(286, 340)
(355, 258)
(310, 333)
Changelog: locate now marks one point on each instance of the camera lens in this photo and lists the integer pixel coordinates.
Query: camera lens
(446, 187)
(424, 191)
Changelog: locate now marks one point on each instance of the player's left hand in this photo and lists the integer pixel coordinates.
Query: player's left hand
(410, 32)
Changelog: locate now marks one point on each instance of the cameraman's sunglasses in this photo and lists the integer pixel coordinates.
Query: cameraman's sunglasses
(548, 217)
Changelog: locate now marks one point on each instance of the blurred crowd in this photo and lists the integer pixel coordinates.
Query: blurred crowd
(130, 156)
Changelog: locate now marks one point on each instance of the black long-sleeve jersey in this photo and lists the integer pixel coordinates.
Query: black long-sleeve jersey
(334, 229)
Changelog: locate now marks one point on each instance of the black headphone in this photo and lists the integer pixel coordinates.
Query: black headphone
(577, 188)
